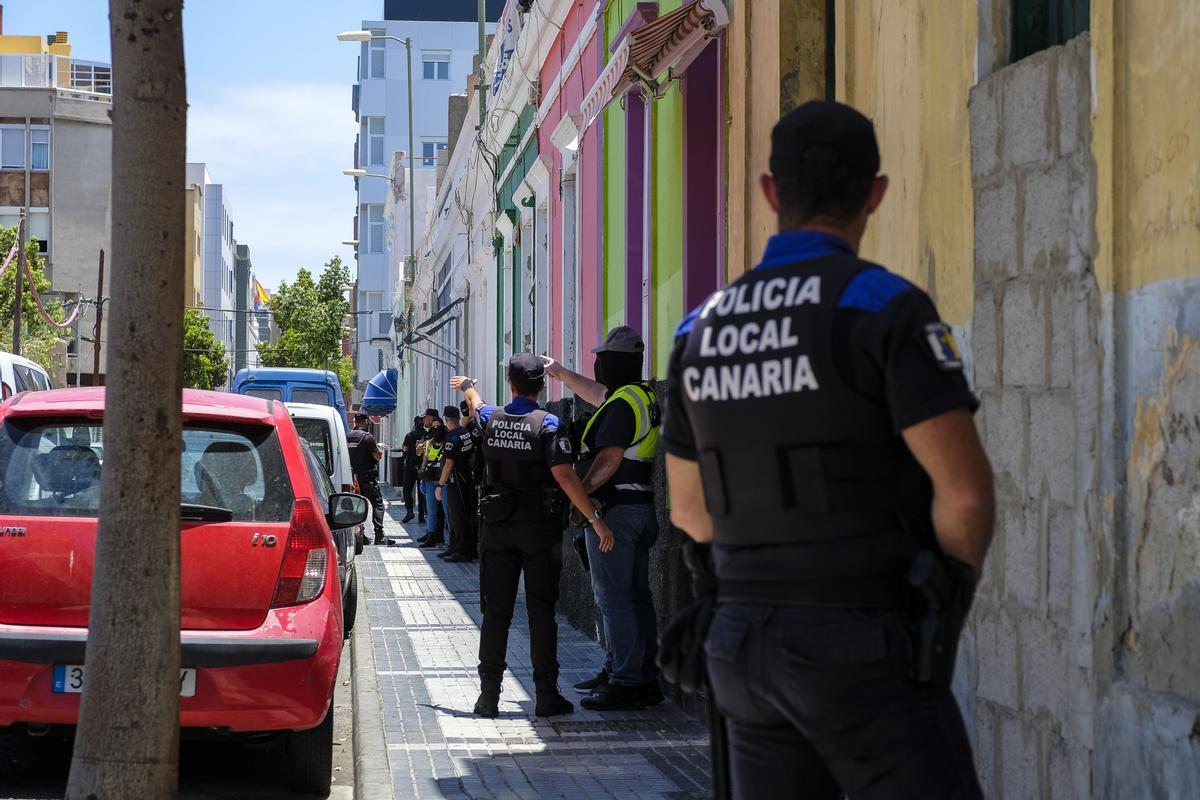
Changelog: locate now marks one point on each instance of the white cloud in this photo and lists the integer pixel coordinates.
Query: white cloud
(280, 149)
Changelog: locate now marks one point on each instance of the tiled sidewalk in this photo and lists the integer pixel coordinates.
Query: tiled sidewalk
(424, 619)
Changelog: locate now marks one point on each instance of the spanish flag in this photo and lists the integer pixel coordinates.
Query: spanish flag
(261, 298)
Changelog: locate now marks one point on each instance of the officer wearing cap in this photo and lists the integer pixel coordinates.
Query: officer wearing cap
(528, 459)
(455, 487)
(873, 468)
(616, 464)
(364, 463)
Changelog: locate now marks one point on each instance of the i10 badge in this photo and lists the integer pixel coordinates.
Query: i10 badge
(270, 540)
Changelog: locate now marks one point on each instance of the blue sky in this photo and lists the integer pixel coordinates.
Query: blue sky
(269, 112)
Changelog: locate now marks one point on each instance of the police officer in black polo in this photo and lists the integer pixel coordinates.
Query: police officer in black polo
(846, 540)
(529, 464)
(456, 485)
(364, 461)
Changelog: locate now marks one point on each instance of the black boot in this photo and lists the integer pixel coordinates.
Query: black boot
(550, 703)
(488, 704)
(408, 517)
(614, 697)
(594, 683)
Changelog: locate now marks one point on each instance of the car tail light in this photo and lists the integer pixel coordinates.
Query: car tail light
(305, 558)
(5, 390)
(348, 487)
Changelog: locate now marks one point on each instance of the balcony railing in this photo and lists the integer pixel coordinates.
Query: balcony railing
(88, 79)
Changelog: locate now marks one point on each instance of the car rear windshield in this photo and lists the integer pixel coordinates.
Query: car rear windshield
(54, 469)
(317, 396)
(316, 433)
(266, 393)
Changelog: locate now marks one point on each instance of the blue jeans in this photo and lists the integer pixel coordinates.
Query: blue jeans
(621, 583)
(433, 509)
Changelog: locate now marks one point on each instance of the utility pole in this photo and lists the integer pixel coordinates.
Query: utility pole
(99, 319)
(79, 341)
(412, 175)
(18, 300)
(481, 14)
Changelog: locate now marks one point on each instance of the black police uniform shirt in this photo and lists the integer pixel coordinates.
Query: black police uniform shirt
(411, 458)
(888, 345)
(552, 438)
(362, 451)
(615, 426)
(459, 447)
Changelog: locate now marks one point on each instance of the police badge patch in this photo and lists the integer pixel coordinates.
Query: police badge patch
(944, 348)
(565, 446)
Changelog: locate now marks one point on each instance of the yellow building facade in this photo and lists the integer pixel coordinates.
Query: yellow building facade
(193, 244)
(1050, 204)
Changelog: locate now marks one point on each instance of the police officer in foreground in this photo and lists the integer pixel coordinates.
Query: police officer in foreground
(364, 462)
(846, 542)
(529, 466)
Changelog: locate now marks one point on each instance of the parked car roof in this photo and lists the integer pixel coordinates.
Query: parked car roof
(89, 400)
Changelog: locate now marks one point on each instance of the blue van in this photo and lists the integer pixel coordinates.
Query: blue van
(292, 385)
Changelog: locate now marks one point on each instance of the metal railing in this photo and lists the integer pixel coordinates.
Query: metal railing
(70, 75)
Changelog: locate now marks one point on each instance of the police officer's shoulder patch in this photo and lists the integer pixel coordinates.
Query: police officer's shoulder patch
(945, 349)
(564, 445)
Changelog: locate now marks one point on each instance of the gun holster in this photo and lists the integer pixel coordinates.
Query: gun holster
(681, 644)
(497, 506)
(942, 589)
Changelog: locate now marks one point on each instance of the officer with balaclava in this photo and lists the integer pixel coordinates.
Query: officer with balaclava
(616, 464)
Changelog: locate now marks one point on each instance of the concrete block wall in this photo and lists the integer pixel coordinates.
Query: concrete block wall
(1028, 677)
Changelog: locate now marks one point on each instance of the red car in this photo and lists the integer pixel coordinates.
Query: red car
(266, 544)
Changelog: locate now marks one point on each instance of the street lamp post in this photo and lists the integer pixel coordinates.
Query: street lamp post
(367, 36)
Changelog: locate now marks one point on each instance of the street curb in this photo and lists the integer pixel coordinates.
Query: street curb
(372, 770)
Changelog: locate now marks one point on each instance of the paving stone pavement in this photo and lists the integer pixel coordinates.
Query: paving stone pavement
(424, 620)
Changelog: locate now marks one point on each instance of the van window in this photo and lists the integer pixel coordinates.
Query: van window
(265, 393)
(54, 471)
(320, 480)
(318, 396)
(316, 433)
(24, 379)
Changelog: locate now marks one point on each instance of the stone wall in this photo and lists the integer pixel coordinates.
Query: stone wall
(1078, 674)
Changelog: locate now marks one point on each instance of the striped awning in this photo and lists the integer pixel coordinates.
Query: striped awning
(657, 51)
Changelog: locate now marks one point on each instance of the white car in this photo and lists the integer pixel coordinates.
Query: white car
(19, 374)
(325, 431)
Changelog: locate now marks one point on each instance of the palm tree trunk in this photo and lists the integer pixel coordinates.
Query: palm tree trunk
(127, 742)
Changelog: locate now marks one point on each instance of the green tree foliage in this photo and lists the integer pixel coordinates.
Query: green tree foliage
(38, 338)
(204, 363)
(310, 315)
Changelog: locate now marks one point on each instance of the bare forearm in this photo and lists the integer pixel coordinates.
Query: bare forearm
(446, 468)
(964, 526)
(569, 482)
(689, 509)
(474, 401)
(603, 468)
(586, 389)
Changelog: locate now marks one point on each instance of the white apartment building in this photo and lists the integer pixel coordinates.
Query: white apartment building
(217, 277)
(445, 40)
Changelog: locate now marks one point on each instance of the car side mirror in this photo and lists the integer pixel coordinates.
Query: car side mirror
(346, 510)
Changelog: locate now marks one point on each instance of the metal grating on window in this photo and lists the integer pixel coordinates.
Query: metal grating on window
(1039, 24)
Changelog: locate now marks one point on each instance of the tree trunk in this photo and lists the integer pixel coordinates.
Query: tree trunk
(127, 742)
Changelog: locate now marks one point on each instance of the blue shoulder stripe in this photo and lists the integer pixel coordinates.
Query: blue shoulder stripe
(872, 289)
(550, 422)
(689, 321)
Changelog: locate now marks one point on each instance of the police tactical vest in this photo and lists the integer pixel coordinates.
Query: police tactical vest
(788, 451)
(513, 452)
(647, 414)
(361, 459)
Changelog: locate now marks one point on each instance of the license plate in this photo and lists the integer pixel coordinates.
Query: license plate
(68, 679)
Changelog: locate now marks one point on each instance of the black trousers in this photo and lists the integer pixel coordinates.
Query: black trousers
(369, 486)
(410, 489)
(461, 502)
(818, 703)
(506, 551)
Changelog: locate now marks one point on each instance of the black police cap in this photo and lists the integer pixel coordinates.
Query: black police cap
(527, 365)
(451, 412)
(824, 135)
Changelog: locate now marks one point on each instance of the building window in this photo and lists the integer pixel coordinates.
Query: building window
(429, 150)
(436, 64)
(12, 148)
(374, 130)
(373, 215)
(1040, 24)
(40, 149)
(376, 53)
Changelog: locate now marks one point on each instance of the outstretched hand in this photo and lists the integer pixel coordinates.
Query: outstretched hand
(553, 368)
(457, 381)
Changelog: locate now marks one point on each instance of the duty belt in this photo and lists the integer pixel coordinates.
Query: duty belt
(880, 591)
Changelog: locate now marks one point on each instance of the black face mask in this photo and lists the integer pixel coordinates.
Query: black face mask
(598, 370)
(615, 370)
